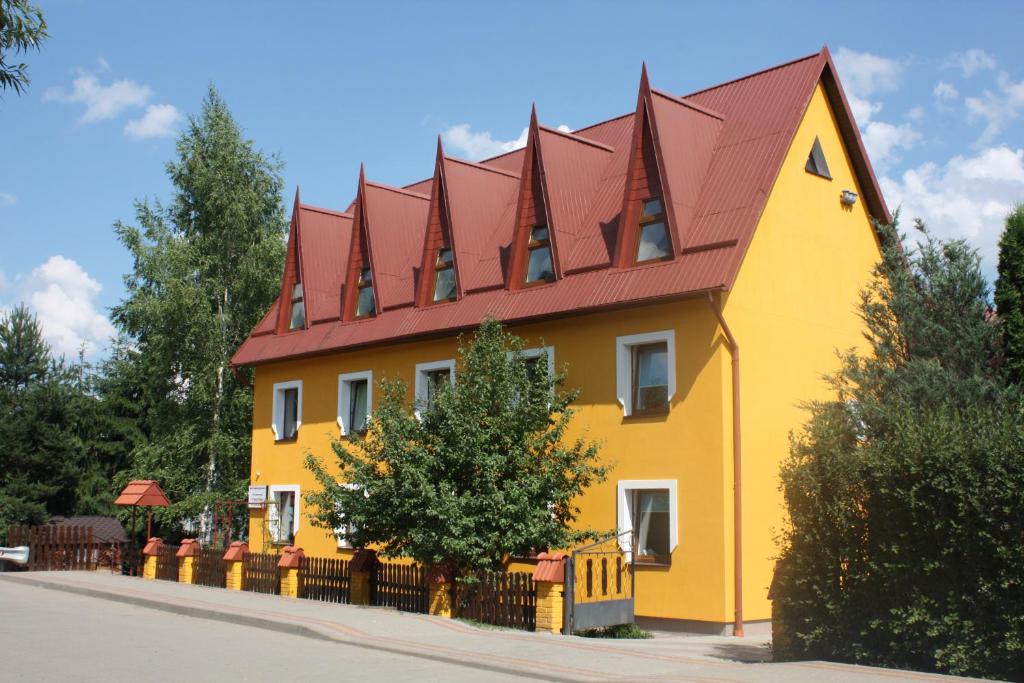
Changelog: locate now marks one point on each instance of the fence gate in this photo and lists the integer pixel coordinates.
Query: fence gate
(599, 586)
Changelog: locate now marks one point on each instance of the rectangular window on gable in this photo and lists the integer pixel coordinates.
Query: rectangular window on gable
(539, 267)
(653, 243)
(298, 317)
(365, 305)
(444, 276)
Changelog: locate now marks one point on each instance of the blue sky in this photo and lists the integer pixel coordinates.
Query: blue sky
(938, 91)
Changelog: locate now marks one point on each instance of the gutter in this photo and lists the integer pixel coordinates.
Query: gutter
(737, 470)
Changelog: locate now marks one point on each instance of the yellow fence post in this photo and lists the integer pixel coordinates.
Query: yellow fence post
(291, 558)
(150, 552)
(233, 565)
(186, 559)
(362, 565)
(440, 584)
(549, 579)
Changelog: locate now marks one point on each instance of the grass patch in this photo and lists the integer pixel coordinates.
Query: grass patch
(619, 631)
(484, 625)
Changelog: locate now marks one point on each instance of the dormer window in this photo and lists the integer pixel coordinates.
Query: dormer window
(653, 244)
(298, 318)
(444, 276)
(540, 267)
(364, 301)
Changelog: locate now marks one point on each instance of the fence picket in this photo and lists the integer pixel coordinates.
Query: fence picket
(499, 598)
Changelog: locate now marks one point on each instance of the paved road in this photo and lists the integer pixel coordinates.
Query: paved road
(47, 635)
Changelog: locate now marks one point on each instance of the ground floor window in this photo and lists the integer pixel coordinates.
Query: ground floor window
(283, 513)
(648, 508)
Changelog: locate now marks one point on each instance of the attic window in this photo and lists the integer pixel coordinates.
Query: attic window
(816, 161)
(540, 267)
(298, 319)
(653, 244)
(444, 276)
(364, 301)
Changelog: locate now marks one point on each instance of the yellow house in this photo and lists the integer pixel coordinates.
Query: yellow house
(642, 254)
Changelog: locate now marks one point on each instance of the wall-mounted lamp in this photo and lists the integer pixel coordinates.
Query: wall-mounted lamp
(848, 198)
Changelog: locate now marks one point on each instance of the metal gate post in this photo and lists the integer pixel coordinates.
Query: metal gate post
(568, 594)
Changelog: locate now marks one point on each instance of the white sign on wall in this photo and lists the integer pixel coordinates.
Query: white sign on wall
(257, 496)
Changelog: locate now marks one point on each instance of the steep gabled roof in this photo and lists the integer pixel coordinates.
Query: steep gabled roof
(292, 269)
(438, 234)
(718, 152)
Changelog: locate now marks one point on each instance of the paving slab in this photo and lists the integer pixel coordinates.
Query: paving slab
(493, 652)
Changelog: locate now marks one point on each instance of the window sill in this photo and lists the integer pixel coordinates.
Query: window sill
(660, 564)
(292, 439)
(646, 414)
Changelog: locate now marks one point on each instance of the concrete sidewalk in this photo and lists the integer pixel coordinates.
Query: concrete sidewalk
(536, 656)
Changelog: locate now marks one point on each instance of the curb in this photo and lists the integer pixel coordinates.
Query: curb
(279, 627)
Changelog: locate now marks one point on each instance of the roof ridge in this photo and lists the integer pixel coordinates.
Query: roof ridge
(751, 75)
(482, 167)
(577, 138)
(320, 209)
(399, 190)
(690, 105)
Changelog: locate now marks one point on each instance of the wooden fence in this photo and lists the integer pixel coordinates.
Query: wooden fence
(167, 563)
(260, 573)
(208, 567)
(402, 586)
(324, 578)
(57, 548)
(499, 598)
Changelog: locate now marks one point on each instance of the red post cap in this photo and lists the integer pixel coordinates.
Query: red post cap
(236, 550)
(550, 568)
(153, 546)
(188, 547)
(290, 557)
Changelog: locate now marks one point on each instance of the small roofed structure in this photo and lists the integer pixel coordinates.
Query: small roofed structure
(144, 492)
(105, 530)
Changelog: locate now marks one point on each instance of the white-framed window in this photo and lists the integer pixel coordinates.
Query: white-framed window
(283, 512)
(536, 355)
(355, 400)
(287, 410)
(645, 372)
(429, 377)
(649, 508)
(343, 532)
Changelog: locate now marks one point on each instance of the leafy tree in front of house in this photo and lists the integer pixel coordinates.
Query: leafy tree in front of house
(488, 471)
(1010, 292)
(22, 28)
(206, 268)
(905, 492)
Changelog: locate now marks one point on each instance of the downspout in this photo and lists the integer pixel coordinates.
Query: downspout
(737, 470)
(240, 377)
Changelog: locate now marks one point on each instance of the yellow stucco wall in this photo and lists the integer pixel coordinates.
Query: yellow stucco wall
(792, 306)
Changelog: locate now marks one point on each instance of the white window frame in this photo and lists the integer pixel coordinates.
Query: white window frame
(345, 381)
(274, 489)
(421, 378)
(277, 418)
(624, 364)
(537, 352)
(624, 504)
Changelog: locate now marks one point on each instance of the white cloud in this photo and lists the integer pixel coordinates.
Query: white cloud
(8, 199)
(101, 102)
(972, 61)
(883, 140)
(945, 91)
(63, 296)
(863, 110)
(916, 114)
(967, 197)
(481, 145)
(158, 121)
(998, 108)
(865, 74)
(102, 63)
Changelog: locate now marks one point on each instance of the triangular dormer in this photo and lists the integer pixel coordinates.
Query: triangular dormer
(534, 257)
(439, 280)
(360, 299)
(816, 163)
(292, 313)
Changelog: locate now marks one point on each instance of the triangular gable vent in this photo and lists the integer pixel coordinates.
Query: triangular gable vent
(816, 161)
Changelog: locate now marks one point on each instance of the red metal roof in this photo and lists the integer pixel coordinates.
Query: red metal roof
(145, 492)
(718, 153)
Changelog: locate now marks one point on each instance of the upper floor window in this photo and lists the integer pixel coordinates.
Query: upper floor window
(431, 378)
(540, 267)
(653, 243)
(364, 300)
(444, 276)
(287, 410)
(298, 318)
(355, 398)
(646, 372)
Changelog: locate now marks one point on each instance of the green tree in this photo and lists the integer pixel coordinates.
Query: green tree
(486, 472)
(1010, 292)
(906, 492)
(206, 269)
(24, 356)
(22, 28)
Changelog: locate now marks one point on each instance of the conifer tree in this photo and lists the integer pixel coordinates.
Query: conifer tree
(1010, 293)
